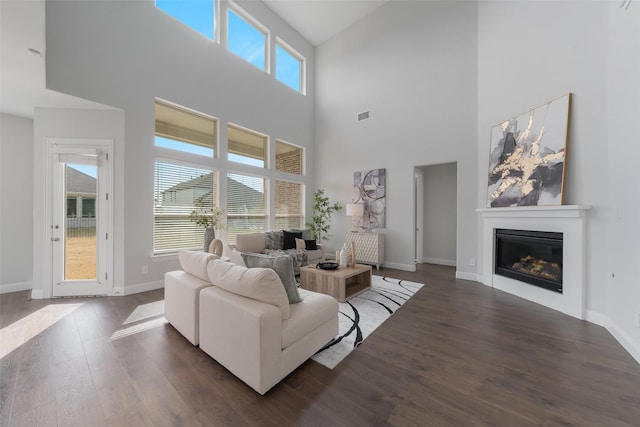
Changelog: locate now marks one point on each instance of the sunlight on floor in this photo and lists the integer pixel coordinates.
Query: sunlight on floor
(145, 311)
(153, 311)
(21, 331)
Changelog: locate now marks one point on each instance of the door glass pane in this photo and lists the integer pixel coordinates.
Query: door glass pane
(80, 248)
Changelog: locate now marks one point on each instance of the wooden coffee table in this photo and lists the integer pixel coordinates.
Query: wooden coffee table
(342, 283)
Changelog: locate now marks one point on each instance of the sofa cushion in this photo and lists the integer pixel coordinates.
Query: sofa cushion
(314, 310)
(260, 284)
(283, 266)
(195, 262)
(251, 242)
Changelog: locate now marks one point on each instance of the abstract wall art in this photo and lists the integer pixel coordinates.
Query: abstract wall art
(369, 190)
(527, 157)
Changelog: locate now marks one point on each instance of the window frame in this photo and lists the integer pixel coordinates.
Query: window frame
(249, 19)
(297, 55)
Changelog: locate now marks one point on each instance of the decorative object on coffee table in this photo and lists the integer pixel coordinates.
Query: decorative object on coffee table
(527, 157)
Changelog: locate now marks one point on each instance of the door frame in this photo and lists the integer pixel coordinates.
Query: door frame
(54, 145)
(418, 220)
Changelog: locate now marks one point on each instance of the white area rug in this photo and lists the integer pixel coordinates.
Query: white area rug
(361, 315)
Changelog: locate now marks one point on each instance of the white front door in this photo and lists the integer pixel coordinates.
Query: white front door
(81, 218)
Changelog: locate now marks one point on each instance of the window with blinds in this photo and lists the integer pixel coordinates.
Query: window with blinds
(180, 129)
(246, 205)
(246, 147)
(179, 189)
(288, 199)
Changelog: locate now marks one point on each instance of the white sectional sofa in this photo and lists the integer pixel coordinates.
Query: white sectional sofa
(242, 318)
(274, 242)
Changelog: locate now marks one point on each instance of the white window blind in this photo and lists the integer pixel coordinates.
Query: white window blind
(288, 199)
(180, 129)
(178, 190)
(246, 205)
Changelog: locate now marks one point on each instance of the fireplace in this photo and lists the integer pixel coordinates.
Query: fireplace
(568, 221)
(533, 257)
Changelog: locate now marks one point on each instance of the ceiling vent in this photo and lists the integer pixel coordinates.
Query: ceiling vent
(363, 116)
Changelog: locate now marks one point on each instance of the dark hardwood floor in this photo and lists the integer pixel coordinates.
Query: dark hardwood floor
(458, 353)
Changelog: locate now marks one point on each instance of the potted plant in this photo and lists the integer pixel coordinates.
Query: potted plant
(321, 219)
(207, 218)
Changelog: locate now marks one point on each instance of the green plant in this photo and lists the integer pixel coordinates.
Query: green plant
(207, 217)
(321, 219)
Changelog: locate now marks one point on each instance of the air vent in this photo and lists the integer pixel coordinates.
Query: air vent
(363, 116)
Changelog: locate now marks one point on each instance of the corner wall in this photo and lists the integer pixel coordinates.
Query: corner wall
(623, 278)
(16, 203)
(413, 66)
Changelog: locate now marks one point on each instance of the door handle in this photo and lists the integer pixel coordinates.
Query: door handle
(55, 239)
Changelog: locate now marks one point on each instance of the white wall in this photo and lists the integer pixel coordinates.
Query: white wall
(71, 123)
(16, 203)
(623, 284)
(439, 219)
(413, 66)
(125, 54)
(530, 52)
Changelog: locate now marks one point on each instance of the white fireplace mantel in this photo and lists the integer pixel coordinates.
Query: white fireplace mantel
(570, 220)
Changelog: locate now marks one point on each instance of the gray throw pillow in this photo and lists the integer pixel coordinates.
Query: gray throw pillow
(282, 265)
(274, 239)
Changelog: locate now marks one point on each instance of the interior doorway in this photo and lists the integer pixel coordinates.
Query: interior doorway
(80, 217)
(436, 194)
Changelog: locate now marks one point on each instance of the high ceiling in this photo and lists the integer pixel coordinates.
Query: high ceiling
(22, 49)
(319, 20)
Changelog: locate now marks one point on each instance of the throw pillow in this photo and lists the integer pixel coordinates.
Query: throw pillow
(260, 284)
(310, 245)
(289, 239)
(273, 239)
(306, 233)
(283, 266)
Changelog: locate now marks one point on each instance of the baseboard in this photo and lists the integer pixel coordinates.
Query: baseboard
(467, 276)
(398, 266)
(15, 287)
(138, 288)
(449, 262)
(633, 348)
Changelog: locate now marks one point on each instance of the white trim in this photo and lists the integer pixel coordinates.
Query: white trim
(633, 348)
(449, 262)
(398, 266)
(57, 145)
(463, 275)
(15, 287)
(138, 288)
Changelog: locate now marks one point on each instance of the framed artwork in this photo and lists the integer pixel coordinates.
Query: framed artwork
(527, 157)
(369, 190)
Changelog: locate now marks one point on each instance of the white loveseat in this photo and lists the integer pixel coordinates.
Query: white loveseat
(242, 318)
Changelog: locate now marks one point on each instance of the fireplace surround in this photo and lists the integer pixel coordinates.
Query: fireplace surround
(568, 220)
